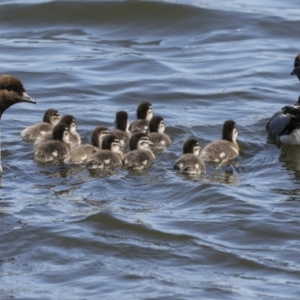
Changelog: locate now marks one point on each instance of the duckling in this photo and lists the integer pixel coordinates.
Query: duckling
(144, 114)
(56, 149)
(69, 120)
(51, 118)
(140, 157)
(109, 157)
(157, 136)
(222, 150)
(11, 92)
(122, 131)
(284, 125)
(82, 153)
(296, 70)
(190, 162)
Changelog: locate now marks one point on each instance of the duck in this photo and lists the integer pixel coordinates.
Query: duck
(157, 136)
(109, 157)
(70, 121)
(33, 132)
(296, 70)
(54, 150)
(82, 153)
(122, 129)
(12, 91)
(144, 115)
(284, 125)
(190, 162)
(223, 150)
(140, 157)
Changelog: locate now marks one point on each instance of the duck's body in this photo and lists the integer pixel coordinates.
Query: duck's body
(140, 157)
(33, 132)
(82, 153)
(56, 149)
(190, 163)
(109, 157)
(284, 126)
(159, 139)
(122, 129)
(144, 115)
(74, 137)
(11, 92)
(223, 150)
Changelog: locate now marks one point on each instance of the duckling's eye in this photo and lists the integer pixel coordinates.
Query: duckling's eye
(10, 88)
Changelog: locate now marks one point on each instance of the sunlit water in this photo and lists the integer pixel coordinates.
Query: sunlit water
(233, 233)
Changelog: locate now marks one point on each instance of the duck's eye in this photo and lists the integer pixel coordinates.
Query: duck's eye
(10, 88)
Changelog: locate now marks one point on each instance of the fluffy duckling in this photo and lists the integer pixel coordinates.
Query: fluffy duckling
(122, 131)
(144, 115)
(140, 157)
(11, 92)
(33, 132)
(56, 149)
(82, 153)
(222, 150)
(109, 157)
(157, 136)
(70, 121)
(296, 70)
(284, 125)
(190, 162)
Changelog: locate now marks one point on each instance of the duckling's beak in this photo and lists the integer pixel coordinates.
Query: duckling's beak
(27, 98)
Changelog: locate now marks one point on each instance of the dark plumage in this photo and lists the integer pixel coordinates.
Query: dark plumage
(157, 136)
(144, 114)
(296, 70)
(121, 131)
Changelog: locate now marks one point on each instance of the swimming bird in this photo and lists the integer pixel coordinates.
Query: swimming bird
(190, 162)
(109, 157)
(157, 136)
(122, 131)
(284, 125)
(51, 118)
(12, 91)
(70, 121)
(56, 149)
(296, 70)
(83, 153)
(140, 157)
(144, 114)
(225, 149)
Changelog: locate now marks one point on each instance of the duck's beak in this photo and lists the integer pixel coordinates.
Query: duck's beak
(27, 98)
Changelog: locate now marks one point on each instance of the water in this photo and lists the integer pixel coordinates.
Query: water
(231, 234)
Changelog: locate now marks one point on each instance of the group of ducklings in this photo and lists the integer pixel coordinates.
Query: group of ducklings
(56, 140)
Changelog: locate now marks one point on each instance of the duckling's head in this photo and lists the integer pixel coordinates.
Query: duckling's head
(98, 134)
(111, 142)
(122, 121)
(70, 121)
(296, 70)
(11, 92)
(139, 140)
(61, 133)
(145, 111)
(51, 116)
(157, 124)
(191, 146)
(229, 132)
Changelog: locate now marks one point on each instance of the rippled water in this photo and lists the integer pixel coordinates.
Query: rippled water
(231, 234)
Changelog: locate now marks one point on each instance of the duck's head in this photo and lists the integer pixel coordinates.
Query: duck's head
(191, 146)
(157, 124)
(51, 116)
(229, 132)
(296, 70)
(145, 111)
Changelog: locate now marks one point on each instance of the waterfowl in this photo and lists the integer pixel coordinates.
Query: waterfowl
(70, 121)
(12, 91)
(140, 157)
(225, 149)
(83, 153)
(109, 157)
(51, 118)
(157, 136)
(190, 162)
(284, 125)
(122, 129)
(296, 70)
(144, 114)
(56, 149)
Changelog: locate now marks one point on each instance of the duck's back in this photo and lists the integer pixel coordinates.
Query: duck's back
(36, 131)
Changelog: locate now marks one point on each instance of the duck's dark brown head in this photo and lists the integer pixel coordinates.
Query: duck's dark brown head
(11, 92)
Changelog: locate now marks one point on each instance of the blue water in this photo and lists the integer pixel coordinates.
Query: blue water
(231, 234)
